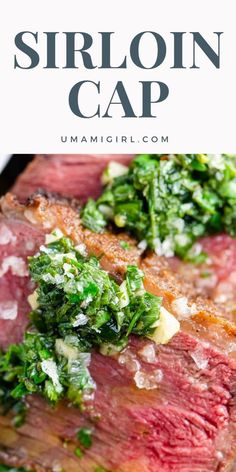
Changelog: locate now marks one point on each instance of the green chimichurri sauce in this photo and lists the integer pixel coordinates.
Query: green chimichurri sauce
(168, 202)
(77, 307)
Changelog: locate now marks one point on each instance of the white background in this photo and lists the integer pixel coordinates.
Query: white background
(198, 115)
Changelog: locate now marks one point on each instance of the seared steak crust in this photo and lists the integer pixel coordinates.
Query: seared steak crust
(184, 422)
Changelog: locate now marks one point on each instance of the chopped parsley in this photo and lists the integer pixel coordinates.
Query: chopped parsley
(78, 452)
(77, 307)
(84, 436)
(93, 218)
(169, 201)
(8, 374)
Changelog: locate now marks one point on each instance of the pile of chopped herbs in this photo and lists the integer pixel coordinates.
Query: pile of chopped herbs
(168, 202)
(77, 307)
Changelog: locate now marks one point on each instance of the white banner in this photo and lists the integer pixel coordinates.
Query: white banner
(174, 60)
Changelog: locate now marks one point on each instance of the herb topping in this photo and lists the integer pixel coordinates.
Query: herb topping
(77, 307)
(168, 202)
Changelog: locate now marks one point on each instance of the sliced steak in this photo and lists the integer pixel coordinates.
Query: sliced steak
(75, 176)
(184, 424)
(17, 241)
(157, 408)
(79, 176)
(215, 278)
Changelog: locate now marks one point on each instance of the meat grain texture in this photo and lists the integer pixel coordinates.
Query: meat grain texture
(216, 278)
(76, 176)
(185, 418)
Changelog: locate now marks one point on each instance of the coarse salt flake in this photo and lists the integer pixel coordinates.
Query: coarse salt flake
(15, 264)
(8, 310)
(128, 359)
(148, 353)
(200, 358)
(181, 307)
(148, 380)
(6, 236)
